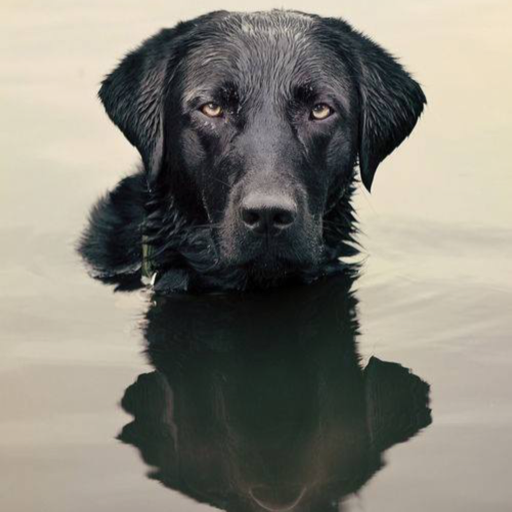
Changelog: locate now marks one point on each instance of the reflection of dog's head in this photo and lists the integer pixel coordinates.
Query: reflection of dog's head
(254, 124)
(260, 402)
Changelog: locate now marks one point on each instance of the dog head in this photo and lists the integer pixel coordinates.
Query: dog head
(254, 123)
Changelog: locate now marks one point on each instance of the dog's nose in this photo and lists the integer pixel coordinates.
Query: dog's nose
(272, 214)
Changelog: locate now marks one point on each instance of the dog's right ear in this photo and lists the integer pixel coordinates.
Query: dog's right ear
(133, 94)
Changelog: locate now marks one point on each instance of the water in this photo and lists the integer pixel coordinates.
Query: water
(113, 401)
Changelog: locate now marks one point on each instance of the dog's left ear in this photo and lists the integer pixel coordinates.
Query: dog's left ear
(390, 100)
(391, 103)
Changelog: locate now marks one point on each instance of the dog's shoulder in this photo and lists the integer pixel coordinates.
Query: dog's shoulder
(112, 242)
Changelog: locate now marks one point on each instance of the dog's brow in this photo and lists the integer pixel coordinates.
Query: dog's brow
(303, 92)
(202, 93)
(227, 92)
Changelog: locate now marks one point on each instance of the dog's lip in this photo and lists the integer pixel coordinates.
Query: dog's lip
(271, 262)
(271, 255)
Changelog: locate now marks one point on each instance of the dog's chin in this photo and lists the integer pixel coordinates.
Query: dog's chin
(271, 265)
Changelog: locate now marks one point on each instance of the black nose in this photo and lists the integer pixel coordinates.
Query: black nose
(271, 214)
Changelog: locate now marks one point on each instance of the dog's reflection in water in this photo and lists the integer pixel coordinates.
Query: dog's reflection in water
(259, 402)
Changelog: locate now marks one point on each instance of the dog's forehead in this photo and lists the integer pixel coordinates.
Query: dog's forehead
(272, 51)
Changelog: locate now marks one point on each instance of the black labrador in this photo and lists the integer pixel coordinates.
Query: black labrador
(250, 127)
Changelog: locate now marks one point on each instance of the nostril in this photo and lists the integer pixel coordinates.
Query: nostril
(250, 217)
(283, 219)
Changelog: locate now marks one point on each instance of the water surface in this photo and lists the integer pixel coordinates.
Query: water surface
(389, 391)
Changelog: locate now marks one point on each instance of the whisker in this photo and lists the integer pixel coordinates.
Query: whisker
(222, 182)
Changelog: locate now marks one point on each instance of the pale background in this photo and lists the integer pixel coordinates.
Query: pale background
(436, 294)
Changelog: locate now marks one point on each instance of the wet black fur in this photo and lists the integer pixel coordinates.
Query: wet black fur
(166, 205)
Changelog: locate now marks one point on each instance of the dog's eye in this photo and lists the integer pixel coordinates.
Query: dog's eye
(212, 110)
(321, 111)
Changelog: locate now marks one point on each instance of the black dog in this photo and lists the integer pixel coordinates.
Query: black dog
(250, 127)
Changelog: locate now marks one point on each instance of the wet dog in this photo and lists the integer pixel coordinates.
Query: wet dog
(250, 127)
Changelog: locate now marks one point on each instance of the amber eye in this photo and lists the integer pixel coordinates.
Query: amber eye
(321, 111)
(212, 110)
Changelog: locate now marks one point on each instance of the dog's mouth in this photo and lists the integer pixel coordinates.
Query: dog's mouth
(273, 267)
(271, 258)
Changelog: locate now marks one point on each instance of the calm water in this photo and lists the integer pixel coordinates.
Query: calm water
(292, 401)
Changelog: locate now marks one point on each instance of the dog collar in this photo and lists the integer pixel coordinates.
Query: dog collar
(148, 273)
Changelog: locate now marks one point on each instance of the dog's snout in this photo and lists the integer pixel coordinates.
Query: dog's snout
(268, 214)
